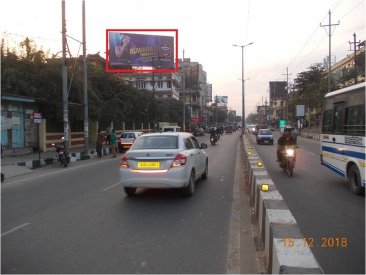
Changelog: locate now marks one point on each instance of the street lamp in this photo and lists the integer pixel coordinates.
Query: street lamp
(242, 85)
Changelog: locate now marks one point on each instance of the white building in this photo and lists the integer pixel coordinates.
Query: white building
(163, 85)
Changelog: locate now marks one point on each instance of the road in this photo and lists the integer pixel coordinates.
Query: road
(323, 207)
(78, 220)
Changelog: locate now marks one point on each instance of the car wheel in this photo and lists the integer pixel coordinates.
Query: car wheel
(354, 180)
(205, 174)
(190, 188)
(130, 191)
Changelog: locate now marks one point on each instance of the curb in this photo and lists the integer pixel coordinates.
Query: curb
(281, 242)
(38, 163)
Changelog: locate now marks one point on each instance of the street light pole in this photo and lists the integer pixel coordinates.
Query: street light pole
(242, 85)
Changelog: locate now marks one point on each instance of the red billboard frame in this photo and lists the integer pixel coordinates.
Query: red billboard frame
(142, 70)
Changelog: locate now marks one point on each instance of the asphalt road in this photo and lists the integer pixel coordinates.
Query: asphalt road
(323, 206)
(78, 220)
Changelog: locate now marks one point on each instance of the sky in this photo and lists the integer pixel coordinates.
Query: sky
(285, 34)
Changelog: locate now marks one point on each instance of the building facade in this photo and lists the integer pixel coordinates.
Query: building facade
(278, 96)
(163, 85)
(196, 91)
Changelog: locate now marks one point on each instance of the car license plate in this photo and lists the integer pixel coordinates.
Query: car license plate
(148, 164)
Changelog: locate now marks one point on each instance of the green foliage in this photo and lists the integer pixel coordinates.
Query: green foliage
(30, 72)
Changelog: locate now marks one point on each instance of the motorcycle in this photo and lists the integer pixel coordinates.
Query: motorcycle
(61, 154)
(213, 139)
(288, 159)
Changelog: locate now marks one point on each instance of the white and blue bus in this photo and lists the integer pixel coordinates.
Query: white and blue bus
(342, 146)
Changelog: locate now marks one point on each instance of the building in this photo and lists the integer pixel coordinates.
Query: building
(163, 85)
(278, 101)
(196, 91)
(343, 71)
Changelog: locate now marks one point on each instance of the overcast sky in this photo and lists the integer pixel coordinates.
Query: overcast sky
(285, 33)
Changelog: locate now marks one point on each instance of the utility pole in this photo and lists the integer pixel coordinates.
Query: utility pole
(287, 88)
(330, 45)
(354, 51)
(85, 77)
(65, 99)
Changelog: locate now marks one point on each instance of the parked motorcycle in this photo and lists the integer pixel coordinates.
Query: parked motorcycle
(213, 139)
(61, 154)
(288, 159)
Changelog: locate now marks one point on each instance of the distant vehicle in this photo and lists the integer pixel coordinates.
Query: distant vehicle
(264, 136)
(342, 142)
(171, 129)
(164, 160)
(126, 140)
(229, 129)
(198, 132)
(251, 128)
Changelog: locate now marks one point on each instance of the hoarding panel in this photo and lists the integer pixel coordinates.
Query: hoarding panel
(140, 52)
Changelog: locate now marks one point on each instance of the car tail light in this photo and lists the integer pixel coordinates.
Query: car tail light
(123, 163)
(179, 160)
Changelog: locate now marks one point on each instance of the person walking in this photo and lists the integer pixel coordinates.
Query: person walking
(108, 135)
(114, 143)
(99, 143)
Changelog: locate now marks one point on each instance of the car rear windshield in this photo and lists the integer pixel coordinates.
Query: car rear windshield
(265, 132)
(156, 142)
(128, 135)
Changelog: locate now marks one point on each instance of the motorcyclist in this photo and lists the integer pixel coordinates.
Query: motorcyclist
(212, 131)
(218, 132)
(285, 139)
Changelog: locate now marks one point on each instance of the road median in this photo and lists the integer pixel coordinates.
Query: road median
(281, 243)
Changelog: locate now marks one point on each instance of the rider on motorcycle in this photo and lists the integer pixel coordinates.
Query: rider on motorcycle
(286, 139)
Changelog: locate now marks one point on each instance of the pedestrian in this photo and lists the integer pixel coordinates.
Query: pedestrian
(114, 143)
(99, 143)
(108, 135)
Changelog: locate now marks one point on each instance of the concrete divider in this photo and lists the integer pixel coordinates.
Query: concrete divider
(281, 242)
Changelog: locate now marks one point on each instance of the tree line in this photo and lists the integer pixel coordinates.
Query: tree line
(28, 71)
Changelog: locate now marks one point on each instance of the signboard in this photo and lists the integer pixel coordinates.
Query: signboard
(300, 110)
(131, 51)
(37, 118)
(282, 123)
(222, 99)
(196, 119)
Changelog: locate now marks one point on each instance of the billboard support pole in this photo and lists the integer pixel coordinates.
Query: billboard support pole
(184, 95)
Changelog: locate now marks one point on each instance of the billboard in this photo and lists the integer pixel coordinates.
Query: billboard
(222, 99)
(132, 52)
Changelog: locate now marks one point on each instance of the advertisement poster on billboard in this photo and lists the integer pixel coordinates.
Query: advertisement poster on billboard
(222, 100)
(133, 52)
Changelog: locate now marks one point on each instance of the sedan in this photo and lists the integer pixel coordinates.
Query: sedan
(164, 160)
(126, 140)
(265, 136)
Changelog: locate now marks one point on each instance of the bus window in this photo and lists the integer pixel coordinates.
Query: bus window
(338, 118)
(355, 121)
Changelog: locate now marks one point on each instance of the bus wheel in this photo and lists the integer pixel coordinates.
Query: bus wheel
(354, 180)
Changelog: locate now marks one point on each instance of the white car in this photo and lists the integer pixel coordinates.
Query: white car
(126, 140)
(164, 160)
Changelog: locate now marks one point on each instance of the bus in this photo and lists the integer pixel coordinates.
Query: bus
(342, 142)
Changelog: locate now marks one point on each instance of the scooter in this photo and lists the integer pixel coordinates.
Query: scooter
(213, 139)
(288, 159)
(61, 154)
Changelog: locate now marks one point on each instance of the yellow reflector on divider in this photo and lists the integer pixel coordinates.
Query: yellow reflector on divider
(249, 147)
(259, 163)
(249, 153)
(264, 187)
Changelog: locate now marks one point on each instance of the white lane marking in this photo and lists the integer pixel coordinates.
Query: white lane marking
(57, 172)
(15, 229)
(113, 185)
